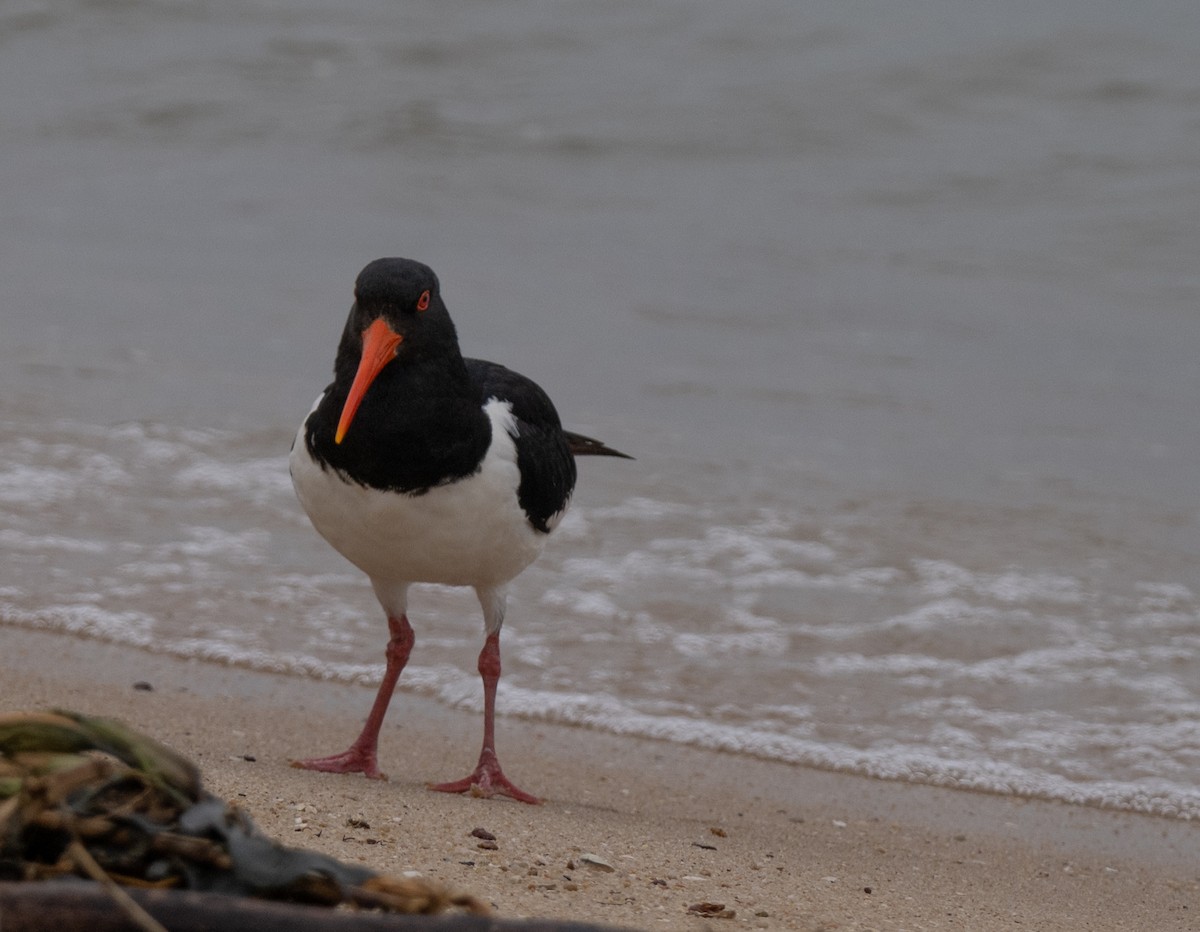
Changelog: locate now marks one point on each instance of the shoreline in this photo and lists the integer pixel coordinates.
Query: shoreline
(781, 846)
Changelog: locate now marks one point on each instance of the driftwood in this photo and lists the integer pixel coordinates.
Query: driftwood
(71, 905)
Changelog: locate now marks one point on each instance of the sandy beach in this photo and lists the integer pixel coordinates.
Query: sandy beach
(632, 833)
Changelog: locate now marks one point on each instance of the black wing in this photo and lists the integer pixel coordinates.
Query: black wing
(543, 453)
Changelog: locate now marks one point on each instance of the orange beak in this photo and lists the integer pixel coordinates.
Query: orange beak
(379, 348)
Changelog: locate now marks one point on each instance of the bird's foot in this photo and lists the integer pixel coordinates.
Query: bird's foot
(352, 760)
(487, 780)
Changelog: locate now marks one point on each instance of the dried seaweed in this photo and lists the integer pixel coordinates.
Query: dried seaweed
(88, 797)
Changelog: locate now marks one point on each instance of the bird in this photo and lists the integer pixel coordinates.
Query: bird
(419, 465)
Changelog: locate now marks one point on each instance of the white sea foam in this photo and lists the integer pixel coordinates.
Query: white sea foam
(262, 481)
(36, 486)
(746, 642)
(133, 628)
(242, 546)
(942, 578)
(20, 540)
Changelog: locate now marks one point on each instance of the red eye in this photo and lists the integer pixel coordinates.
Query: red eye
(423, 301)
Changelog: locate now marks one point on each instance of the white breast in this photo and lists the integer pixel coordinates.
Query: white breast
(469, 533)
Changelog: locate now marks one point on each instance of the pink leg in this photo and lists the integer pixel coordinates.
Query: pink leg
(488, 779)
(361, 756)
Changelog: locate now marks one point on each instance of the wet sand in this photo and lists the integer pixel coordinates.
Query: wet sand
(632, 833)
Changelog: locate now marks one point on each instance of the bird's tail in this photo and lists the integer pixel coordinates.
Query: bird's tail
(580, 445)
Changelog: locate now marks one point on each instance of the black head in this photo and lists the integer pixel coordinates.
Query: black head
(393, 283)
(398, 320)
(407, 295)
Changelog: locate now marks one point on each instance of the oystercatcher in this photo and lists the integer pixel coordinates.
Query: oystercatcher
(421, 466)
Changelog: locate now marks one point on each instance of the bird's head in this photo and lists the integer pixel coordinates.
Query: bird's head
(398, 318)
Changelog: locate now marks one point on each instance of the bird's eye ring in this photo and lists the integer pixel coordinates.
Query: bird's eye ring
(423, 301)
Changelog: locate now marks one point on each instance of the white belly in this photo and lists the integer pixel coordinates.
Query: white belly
(469, 533)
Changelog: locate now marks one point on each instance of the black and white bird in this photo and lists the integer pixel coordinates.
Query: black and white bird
(421, 466)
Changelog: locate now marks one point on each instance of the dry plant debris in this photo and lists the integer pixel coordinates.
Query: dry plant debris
(88, 797)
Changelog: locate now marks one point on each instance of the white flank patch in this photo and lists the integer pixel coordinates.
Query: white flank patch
(469, 533)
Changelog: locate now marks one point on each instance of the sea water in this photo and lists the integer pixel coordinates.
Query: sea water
(896, 304)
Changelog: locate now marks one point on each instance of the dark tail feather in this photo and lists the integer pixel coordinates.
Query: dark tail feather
(580, 445)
